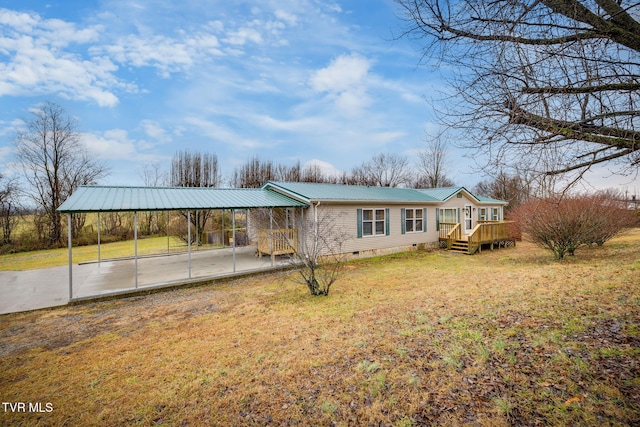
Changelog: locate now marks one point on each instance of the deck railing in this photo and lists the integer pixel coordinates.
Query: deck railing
(278, 242)
(450, 232)
(488, 232)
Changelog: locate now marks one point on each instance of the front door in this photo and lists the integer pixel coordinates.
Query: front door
(468, 219)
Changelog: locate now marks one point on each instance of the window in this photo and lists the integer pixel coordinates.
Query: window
(449, 215)
(373, 222)
(482, 214)
(413, 220)
(495, 214)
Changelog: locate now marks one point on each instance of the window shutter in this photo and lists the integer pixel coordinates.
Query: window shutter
(479, 214)
(458, 215)
(386, 221)
(359, 223)
(424, 219)
(437, 219)
(403, 218)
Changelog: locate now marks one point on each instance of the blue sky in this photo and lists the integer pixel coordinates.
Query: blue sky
(288, 80)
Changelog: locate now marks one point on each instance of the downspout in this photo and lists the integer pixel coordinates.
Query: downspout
(315, 230)
(70, 244)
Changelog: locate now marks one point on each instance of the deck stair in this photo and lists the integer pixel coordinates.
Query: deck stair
(488, 233)
(461, 246)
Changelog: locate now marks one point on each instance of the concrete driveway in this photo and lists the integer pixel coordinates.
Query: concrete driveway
(49, 287)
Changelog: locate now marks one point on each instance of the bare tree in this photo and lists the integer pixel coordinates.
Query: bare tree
(539, 80)
(383, 170)
(153, 176)
(55, 162)
(254, 173)
(511, 188)
(9, 206)
(432, 165)
(195, 170)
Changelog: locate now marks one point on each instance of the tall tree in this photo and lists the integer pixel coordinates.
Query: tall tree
(511, 188)
(433, 166)
(550, 84)
(383, 170)
(55, 162)
(195, 169)
(9, 205)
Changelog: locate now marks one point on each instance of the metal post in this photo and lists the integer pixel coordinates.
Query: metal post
(222, 232)
(98, 239)
(189, 240)
(233, 234)
(271, 235)
(70, 244)
(135, 244)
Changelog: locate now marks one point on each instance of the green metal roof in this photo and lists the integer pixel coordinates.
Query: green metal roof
(114, 199)
(308, 192)
(490, 200)
(445, 193)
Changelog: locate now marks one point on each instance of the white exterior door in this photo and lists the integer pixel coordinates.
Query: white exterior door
(468, 219)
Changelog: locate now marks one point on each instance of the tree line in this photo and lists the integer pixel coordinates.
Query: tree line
(55, 163)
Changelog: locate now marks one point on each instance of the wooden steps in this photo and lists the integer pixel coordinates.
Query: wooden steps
(460, 246)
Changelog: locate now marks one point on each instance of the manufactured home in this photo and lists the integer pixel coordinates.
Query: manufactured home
(287, 217)
(381, 220)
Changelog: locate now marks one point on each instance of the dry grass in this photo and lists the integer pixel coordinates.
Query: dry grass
(509, 337)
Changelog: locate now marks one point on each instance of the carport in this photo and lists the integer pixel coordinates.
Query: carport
(102, 199)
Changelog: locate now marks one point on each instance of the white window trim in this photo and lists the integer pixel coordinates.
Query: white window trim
(495, 214)
(373, 222)
(413, 220)
(455, 214)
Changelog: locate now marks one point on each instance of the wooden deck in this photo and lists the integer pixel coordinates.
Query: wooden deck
(279, 242)
(485, 233)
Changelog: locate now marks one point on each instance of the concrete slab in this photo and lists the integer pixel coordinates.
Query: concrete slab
(49, 287)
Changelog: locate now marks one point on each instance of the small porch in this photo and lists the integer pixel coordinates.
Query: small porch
(489, 234)
(281, 241)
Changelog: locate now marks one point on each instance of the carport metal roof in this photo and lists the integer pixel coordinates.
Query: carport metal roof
(118, 199)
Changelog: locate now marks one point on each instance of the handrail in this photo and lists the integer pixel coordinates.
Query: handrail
(488, 232)
(280, 241)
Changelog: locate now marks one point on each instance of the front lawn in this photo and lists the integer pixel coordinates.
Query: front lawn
(509, 337)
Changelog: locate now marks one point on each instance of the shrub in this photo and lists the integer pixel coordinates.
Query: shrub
(563, 224)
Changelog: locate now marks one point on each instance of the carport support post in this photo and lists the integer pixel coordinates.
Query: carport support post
(70, 244)
(271, 234)
(98, 239)
(135, 244)
(233, 236)
(189, 240)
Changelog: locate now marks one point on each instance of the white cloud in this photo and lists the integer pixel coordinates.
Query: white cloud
(289, 18)
(326, 167)
(5, 152)
(345, 80)
(344, 73)
(111, 145)
(167, 54)
(243, 36)
(37, 63)
(155, 131)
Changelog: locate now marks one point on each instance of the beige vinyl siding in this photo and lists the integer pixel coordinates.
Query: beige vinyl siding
(460, 202)
(346, 219)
